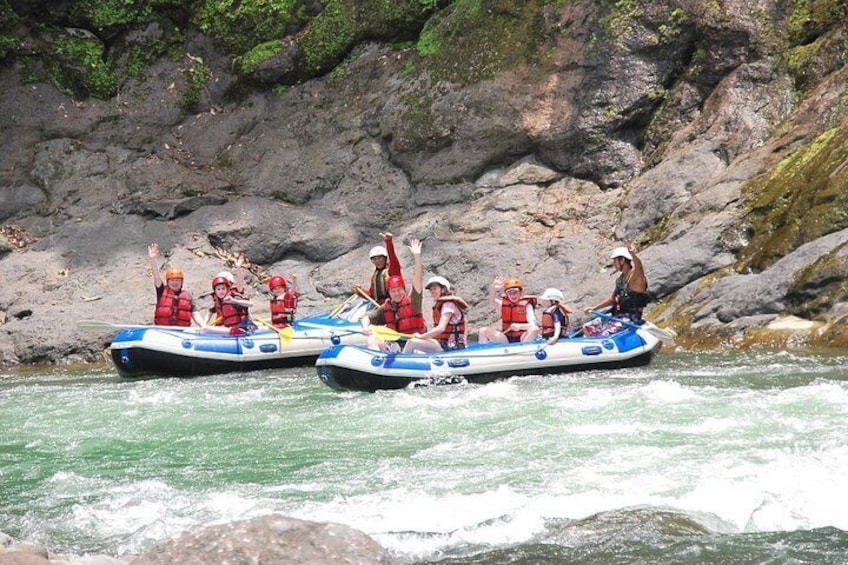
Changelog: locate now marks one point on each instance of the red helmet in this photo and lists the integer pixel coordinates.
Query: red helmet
(276, 281)
(395, 281)
(174, 273)
(221, 280)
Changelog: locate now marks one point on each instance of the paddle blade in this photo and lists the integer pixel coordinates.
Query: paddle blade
(286, 334)
(388, 334)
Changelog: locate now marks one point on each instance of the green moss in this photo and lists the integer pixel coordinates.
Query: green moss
(196, 76)
(673, 28)
(812, 18)
(618, 23)
(8, 23)
(818, 286)
(102, 14)
(344, 23)
(240, 25)
(471, 40)
(804, 198)
(332, 34)
(251, 60)
(78, 68)
(799, 59)
(418, 111)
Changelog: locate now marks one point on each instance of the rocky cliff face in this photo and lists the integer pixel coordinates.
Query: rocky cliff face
(514, 138)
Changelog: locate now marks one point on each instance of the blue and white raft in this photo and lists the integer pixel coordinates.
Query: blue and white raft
(355, 367)
(162, 351)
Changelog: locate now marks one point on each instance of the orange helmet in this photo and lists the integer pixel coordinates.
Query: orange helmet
(221, 280)
(513, 283)
(276, 281)
(395, 281)
(174, 273)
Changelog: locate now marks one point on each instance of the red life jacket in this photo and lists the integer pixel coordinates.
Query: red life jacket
(231, 315)
(548, 321)
(456, 330)
(403, 317)
(514, 314)
(173, 309)
(283, 309)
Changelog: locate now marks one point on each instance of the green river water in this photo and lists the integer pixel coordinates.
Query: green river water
(698, 458)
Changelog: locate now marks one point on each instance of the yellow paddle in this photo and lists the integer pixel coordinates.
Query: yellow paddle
(388, 334)
(362, 292)
(284, 333)
(341, 306)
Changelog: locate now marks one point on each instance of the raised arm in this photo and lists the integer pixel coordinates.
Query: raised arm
(152, 258)
(638, 282)
(394, 262)
(495, 293)
(418, 266)
(240, 260)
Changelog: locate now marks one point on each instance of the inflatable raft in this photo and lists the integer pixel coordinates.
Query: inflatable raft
(355, 367)
(164, 351)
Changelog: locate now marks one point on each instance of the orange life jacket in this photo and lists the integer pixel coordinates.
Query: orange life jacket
(403, 317)
(514, 314)
(283, 309)
(457, 330)
(173, 309)
(548, 321)
(230, 314)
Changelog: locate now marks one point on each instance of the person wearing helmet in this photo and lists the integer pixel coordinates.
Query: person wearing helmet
(555, 322)
(174, 304)
(518, 314)
(231, 306)
(630, 295)
(401, 311)
(449, 330)
(386, 264)
(283, 300)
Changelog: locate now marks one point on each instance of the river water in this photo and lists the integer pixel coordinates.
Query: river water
(721, 458)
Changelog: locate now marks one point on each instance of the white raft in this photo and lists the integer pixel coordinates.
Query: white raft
(355, 367)
(164, 351)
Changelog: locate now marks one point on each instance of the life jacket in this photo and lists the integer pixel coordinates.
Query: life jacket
(403, 316)
(549, 322)
(173, 309)
(514, 314)
(378, 290)
(283, 309)
(230, 314)
(628, 303)
(456, 330)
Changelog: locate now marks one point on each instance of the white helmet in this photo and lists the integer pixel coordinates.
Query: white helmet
(554, 294)
(621, 252)
(438, 280)
(227, 275)
(378, 251)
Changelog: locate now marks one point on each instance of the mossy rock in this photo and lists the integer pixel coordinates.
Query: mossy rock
(804, 198)
(240, 26)
(9, 22)
(812, 18)
(344, 23)
(821, 284)
(471, 40)
(77, 67)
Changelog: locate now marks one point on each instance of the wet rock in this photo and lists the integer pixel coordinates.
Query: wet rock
(269, 539)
